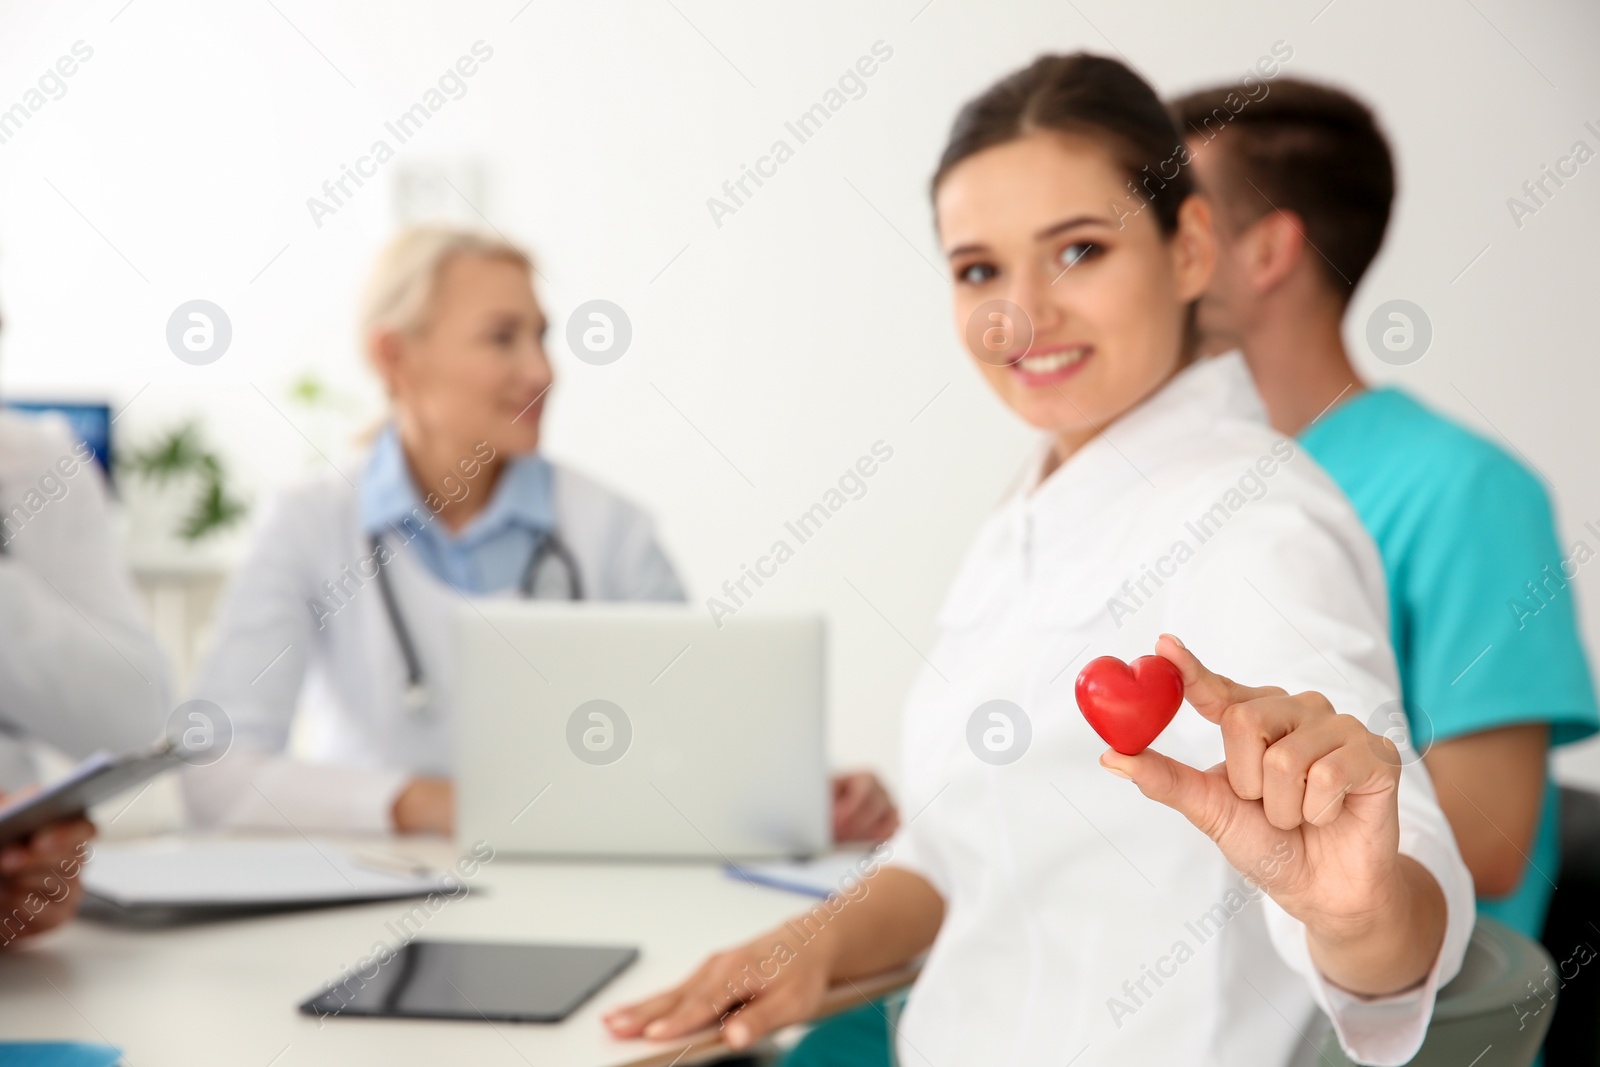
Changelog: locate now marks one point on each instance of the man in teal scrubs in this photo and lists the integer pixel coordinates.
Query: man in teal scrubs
(1492, 669)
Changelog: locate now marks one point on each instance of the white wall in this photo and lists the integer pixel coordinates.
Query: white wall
(805, 327)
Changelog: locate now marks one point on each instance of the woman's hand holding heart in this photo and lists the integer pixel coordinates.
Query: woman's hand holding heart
(1305, 803)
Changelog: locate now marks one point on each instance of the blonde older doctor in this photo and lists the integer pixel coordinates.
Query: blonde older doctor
(343, 604)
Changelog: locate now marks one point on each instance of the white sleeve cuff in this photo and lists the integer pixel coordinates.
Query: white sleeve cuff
(1388, 1031)
(904, 851)
(1379, 1031)
(261, 791)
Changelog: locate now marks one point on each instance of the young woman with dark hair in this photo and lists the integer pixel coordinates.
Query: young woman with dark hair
(1062, 913)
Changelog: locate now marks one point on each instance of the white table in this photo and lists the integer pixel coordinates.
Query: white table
(227, 992)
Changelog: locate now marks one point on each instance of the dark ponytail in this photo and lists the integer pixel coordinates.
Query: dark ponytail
(1086, 95)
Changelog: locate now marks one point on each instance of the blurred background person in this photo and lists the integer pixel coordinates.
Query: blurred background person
(345, 597)
(80, 669)
(1303, 181)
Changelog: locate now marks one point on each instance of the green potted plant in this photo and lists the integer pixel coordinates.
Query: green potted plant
(180, 461)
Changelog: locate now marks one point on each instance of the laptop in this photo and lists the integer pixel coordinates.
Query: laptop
(639, 731)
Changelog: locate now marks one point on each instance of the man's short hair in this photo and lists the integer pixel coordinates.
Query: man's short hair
(1304, 148)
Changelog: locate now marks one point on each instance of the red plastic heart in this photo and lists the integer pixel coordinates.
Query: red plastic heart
(1129, 706)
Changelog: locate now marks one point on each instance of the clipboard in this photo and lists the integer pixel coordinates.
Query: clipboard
(100, 777)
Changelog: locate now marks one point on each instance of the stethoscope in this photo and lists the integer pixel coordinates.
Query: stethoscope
(417, 696)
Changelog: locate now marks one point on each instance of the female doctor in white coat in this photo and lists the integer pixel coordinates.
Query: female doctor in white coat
(1065, 916)
(346, 595)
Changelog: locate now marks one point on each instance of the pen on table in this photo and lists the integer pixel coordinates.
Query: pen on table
(389, 864)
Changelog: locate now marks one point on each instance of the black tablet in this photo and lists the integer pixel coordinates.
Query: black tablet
(474, 980)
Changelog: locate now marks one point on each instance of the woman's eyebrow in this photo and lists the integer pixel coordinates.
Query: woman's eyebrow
(1070, 224)
(1053, 230)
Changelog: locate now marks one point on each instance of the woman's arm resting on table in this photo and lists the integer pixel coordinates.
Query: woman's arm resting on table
(265, 636)
(251, 789)
(780, 976)
(1305, 804)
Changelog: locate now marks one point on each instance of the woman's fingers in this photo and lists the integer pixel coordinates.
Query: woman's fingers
(637, 1019)
(1365, 764)
(1286, 768)
(762, 1016)
(61, 840)
(767, 983)
(15, 858)
(697, 1009)
(32, 906)
(873, 812)
(1331, 779)
(862, 808)
(694, 1005)
(52, 915)
(1206, 691)
(46, 883)
(48, 848)
(1297, 756)
(631, 1019)
(849, 795)
(1249, 729)
(1294, 754)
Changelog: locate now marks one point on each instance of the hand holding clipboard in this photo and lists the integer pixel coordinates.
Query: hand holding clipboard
(100, 777)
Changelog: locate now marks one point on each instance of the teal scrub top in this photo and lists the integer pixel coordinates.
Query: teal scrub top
(1480, 602)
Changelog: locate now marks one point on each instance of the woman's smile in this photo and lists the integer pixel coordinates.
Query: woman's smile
(1044, 366)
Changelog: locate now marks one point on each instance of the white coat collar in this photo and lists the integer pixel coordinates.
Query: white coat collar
(1136, 448)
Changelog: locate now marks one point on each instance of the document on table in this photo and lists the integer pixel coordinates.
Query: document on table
(232, 875)
(821, 876)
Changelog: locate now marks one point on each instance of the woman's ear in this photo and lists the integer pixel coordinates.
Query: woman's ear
(385, 349)
(1194, 248)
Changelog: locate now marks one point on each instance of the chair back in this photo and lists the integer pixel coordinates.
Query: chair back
(1493, 1014)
